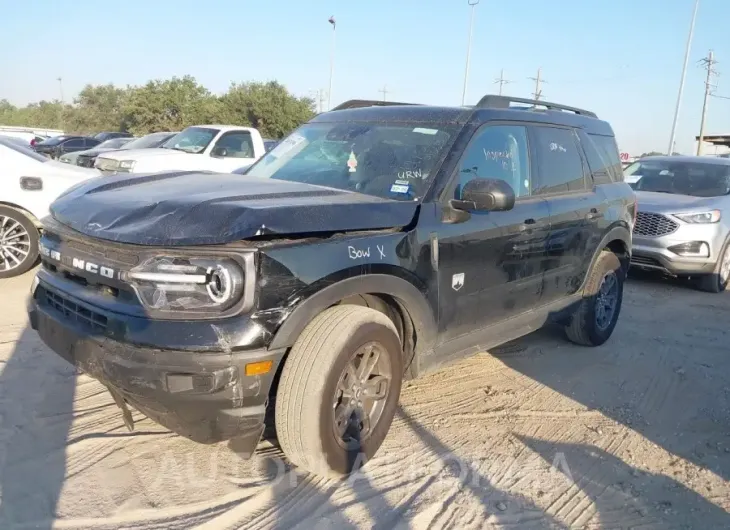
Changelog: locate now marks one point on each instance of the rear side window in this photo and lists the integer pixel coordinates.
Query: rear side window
(560, 166)
(603, 158)
(74, 143)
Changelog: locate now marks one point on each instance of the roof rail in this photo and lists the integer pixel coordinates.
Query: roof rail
(503, 102)
(360, 103)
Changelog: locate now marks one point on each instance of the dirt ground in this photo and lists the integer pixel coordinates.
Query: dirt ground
(539, 434)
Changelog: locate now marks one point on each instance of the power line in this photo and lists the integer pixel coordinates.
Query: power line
(538, 81)
(708, 64)
(501, 81)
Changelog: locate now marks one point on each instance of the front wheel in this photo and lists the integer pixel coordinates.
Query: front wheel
(339, 390)
(595, 318)
(717, 281)
(18, 243)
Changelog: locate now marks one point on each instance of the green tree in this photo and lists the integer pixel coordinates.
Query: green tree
(98, 108)
(269, 107)
(169, 105)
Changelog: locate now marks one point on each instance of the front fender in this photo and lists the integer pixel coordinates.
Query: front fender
(411, 298)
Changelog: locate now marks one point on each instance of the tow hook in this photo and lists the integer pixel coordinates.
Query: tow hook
(126, 414)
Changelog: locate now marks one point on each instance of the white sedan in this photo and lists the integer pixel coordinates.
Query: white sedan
(30, 183)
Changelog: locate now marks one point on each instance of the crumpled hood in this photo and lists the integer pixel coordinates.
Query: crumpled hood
(198, 208)
(650, 201)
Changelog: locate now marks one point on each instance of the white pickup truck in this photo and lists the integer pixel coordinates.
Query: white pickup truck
(222, 148)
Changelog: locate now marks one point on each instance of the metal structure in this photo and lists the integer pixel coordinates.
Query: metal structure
(670, 149)
(473, 4)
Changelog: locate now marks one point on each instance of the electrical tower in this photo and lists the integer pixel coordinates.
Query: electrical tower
(501, 81)
(708, 64)
(384, 91)
(538, 82)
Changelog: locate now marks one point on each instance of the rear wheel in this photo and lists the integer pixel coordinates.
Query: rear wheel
(595, 318)
(717, 281)
(339, 390)
(18, 243)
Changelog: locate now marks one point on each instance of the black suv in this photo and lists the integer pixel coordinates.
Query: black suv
(374, 244)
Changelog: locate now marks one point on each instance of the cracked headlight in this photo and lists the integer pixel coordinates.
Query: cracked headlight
(187, 284)
(712, 216)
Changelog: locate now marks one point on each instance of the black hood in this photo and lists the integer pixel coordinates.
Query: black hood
(199, 208)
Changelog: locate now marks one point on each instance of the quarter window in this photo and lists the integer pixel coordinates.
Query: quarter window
(560, 164)
(498, 152)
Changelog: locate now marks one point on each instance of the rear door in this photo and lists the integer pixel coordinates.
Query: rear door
(491, 263)
(575, 206)
(72, 145)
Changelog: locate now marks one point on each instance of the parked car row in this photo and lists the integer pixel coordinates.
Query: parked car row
(31, 182)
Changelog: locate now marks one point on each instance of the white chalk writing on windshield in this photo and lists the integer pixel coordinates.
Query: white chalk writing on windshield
(416, 174)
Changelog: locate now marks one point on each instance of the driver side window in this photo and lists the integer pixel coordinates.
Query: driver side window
(497, 152)
(234, 145)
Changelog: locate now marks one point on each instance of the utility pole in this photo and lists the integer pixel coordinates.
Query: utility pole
(332, 61)
(684, 75)
(60, 109)
(707, 63)
(472, 4)
(501, 81)
(538, 81)
(384, 91)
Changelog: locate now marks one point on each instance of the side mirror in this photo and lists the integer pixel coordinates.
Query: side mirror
(219, 151)
(488, 195)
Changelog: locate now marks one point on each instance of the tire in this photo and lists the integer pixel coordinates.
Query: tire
(718, 280)
(584, 327)
(307, 397)
(20, 236)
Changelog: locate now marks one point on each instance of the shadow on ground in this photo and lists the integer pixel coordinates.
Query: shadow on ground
(36, 403)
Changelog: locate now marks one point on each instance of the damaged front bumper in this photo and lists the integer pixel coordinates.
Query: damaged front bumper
(198, 393)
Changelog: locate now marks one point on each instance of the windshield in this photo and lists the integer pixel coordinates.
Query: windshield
(191, 140)
(394, 161)
(697, 179)
(114, 143)
(27, 151)
(149, 141)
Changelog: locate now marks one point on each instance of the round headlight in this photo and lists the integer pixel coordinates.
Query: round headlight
(219, 284)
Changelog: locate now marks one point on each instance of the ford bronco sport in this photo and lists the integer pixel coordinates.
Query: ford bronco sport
(376, 243)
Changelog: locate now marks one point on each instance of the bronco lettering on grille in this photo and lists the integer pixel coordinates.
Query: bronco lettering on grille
(78, 263)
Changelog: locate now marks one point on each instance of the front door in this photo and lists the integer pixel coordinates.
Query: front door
(232, 150)
(564, 181)
(490, 263)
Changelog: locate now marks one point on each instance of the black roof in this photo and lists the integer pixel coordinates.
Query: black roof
(684, 158)
(489, 108)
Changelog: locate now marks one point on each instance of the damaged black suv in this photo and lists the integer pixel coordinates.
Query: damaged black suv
(374, 244)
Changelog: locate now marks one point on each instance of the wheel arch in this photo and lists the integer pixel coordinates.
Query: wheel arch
(618, 241)
(399, 299)
(22, 210)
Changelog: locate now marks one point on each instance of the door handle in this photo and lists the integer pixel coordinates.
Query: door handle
(594, 214)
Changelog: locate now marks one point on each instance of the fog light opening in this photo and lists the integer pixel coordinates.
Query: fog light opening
(694, 249)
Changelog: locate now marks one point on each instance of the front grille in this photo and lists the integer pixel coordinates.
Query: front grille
(654, 225)
(645, 262)
(77, 313)
(85, 161)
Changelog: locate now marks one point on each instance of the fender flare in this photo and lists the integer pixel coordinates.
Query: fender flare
(409, 296)
(617, 233)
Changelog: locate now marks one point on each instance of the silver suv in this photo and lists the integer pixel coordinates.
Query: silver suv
(683, 221)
